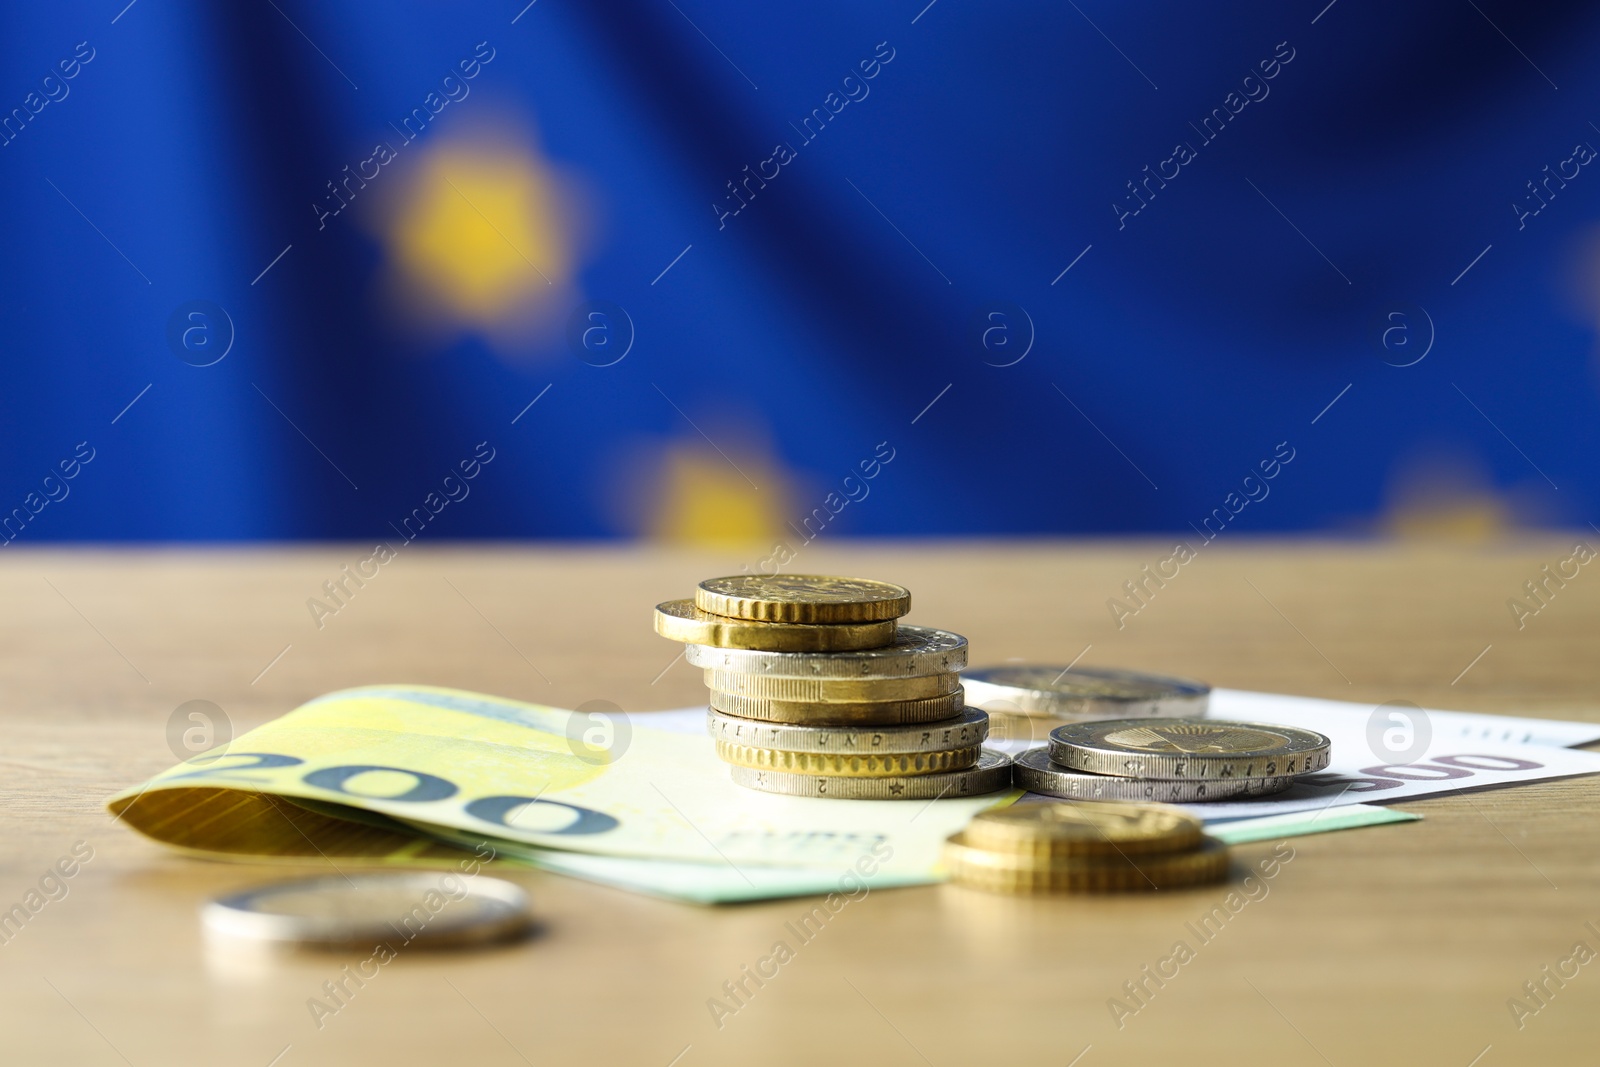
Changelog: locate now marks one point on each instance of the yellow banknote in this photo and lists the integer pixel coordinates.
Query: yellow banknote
(360, 773)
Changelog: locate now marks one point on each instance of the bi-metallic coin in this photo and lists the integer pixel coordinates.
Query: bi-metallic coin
(1188, 749)
(970, 727)
(1084, 693)
(915, 650)
(1035, 772)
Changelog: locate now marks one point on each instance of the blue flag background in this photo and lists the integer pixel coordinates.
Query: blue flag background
(702, 271)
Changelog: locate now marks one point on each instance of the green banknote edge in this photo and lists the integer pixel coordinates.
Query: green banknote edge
(1300, 823)
(698, 883)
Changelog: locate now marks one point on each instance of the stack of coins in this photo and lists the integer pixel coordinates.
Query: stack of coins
(1025, 702)
(817, 691)
(1081, 847)
(1178, 761)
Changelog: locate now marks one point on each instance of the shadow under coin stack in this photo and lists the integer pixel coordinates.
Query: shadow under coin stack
(1083, 848)
(1178, 761)
(817, 692)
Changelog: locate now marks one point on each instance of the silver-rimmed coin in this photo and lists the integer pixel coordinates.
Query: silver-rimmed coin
(436, 908)
(1035, 772)
(992, 773)
(1188, 748)
(840, 713)
(1084, 693)
(969, 729)
(916, 650)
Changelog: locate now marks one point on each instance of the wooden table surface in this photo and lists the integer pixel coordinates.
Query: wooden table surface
(1396, 944)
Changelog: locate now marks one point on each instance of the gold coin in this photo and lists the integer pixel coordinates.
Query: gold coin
(1004, 872)
(806, 598)
(1059, 829)
(680, 620)
(991, 774)
(833, 690)
(836, 713)
(848, 764)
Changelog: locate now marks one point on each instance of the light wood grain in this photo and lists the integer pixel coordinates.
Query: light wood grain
(1397, 944)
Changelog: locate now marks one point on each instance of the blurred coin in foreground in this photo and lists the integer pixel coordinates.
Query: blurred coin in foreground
(1057, 829)
(1084, 692)
(1035, 772)
(811, 598)
(1188, 748)
(914, 650)
(1004, 872)
(680, 620)
(991, 773)
(364, 909)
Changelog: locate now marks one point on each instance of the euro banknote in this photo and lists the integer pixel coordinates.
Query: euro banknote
(360, 774)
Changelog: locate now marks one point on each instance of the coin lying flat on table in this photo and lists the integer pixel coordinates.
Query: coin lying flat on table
(833, 690)
(364, 909)
(1011, 873)
(1034, 771)
(848, 764)
(1057, 829)
(1084, 692)
(807, 598)
(915, 650)
(680, 620)
(991, 774)
(969, 728)
(1188, 748)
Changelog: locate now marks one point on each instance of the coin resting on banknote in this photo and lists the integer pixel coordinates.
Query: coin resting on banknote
(1188, 748)
(1084, 693)
(1033, 770)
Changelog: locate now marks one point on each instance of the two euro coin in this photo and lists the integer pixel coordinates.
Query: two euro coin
(1173, 760)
